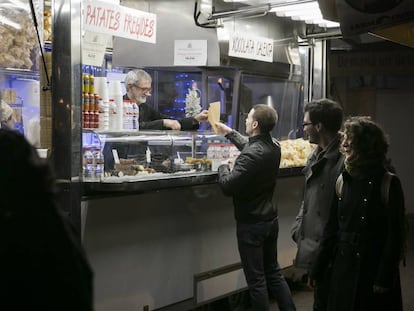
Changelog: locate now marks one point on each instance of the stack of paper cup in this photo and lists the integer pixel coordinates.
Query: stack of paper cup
(115, 92)
(101, 88)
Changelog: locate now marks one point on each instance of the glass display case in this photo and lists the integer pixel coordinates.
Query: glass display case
(134, 156)
(21, 78)
(281, 94)
(114, 157)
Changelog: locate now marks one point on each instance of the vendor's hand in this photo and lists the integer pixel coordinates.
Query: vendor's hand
(172, 124)
(223, 129)
(202, 116)
(379, 289)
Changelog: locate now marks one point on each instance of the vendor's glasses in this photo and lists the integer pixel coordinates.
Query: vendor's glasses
(144, 89)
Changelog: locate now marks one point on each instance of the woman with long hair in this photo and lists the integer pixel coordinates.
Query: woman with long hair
(364, 238)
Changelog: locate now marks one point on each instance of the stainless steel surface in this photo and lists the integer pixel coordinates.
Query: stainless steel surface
(66, 97)
(174, 22)
(171, 28)
(319, 70)
(145, 249)
(249, 8)
(66, 83)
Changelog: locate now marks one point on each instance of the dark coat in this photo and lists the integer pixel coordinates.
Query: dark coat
(42, 264)
(320, 176)
(362, 246)
(252, 181)
(151, 119)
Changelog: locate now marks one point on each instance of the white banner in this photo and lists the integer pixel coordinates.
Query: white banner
(258, 48)
(120, 21)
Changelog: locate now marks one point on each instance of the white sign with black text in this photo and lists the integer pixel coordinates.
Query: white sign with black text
(251, 47)
(190, 52)
(93, 48)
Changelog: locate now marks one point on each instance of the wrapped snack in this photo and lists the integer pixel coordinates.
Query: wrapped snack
(18, 36)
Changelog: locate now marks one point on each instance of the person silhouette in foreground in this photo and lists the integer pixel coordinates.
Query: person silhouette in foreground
(42, 265)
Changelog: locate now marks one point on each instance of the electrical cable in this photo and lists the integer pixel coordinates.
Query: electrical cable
(48, 87)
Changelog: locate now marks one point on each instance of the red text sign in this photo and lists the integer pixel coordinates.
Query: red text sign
(120, 21)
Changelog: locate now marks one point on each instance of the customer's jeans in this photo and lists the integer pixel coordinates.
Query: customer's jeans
(258, 252)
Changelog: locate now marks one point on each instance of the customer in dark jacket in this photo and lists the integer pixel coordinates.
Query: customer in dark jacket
(251, 183)
(321, 122)
(364, 237)
(42, 265)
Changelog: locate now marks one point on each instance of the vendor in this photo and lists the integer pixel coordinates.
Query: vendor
(138, 86)
(6, 116)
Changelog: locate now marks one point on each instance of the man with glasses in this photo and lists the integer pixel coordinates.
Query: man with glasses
(321, 122)
(138, 86)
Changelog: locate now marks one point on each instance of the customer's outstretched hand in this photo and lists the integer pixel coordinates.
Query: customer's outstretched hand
(223, 129)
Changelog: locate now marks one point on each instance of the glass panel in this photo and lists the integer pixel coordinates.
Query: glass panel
(178, 93)
(19, 70)
(283, 95)
(220, 88)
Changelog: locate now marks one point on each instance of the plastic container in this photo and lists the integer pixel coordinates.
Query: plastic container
(112, 117)
(88, 164)
(98, 163)
(135, 116)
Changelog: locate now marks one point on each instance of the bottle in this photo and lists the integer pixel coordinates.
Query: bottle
(103, 115)
(125, 114)
(130, 115)
(86, 101)
(83, 111)
(91, 84)
(112, 115)
(95, 118)
(88, 164)
(85, 83)
(99, 163)
(96, 124)
(135, 116)
(86, 119)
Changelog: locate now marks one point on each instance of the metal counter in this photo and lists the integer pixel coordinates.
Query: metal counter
(149, 248)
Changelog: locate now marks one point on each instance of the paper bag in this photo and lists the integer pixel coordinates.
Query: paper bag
(214, 115)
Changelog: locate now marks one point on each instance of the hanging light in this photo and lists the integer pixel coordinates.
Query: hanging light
(309, 12)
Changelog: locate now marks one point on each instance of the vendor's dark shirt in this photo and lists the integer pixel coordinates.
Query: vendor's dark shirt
(151, 119)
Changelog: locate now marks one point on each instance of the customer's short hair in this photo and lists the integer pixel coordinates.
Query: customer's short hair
(327, 112)
(265, 116)
(136, 75)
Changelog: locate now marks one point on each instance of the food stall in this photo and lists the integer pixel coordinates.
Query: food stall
(171, 240)
(162, 231)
